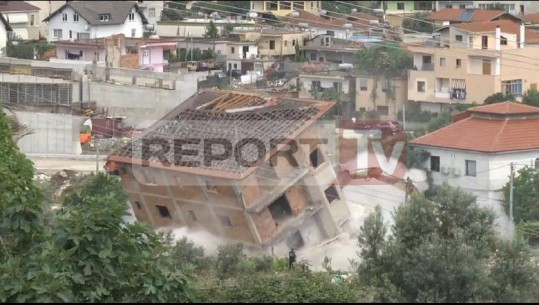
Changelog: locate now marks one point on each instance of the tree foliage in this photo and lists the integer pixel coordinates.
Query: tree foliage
(211, 30)
(531, 97)
(498, 98)
(443, 250)
(418, 24)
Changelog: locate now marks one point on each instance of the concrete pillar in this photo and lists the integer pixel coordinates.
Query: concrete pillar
(498, 38)
(522, 35)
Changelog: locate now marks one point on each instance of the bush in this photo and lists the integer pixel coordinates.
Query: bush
(498, 98)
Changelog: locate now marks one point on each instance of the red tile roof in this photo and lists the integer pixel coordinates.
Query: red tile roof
(483, 134)
(17, 6)
(532, 18)
(506, 26)
(455, 15)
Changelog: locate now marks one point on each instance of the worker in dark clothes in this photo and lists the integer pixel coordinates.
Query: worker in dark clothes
(291, 258)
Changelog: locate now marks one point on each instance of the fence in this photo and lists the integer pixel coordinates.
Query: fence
(33, 94)
(162, 80)
(22, 69)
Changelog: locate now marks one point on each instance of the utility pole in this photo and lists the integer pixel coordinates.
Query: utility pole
(511, 193)
(404, 117)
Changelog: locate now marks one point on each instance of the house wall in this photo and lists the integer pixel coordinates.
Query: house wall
(283, 44)
(156, 60)
(100, 31)
(234, 51)
(263, 6)
(330, 56)
(3, 39)
(46, 8)
(21, 23)
(365, 103)
(453, 4)
(88, 53)
(326, 83)
(197, 27)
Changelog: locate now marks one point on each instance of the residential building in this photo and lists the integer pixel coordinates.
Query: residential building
(283, 8)
(341, 27)
(96, 19)
(274, 43)
(5, 30)
(476, 151)
(519, 8)
(315, 84)
(152, 11)
(447, 16)
(270, 199)
(471, 61)
(439, 5)
(22, 17)
(244, 56)
(396, 11)
(327, 49)
(151, 54)
(196, 27)
(391, 96)
(45, 9)
(106, 52)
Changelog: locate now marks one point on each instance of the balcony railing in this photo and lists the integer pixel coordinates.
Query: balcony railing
(427, 67)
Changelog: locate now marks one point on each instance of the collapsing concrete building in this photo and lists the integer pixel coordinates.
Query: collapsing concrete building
(263, 179)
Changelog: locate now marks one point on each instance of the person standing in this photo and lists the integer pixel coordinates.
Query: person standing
(291, 258)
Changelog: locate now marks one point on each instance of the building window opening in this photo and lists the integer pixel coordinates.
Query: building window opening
(280, 209)
(225, 221)
(332, 194)
(434, 163)
(163, 211)
(317, 158)
(139, 206)
(192, 215)
(295, 241)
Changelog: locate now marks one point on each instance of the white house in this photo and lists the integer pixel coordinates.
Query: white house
(152, 11)
(45, 9)
(5, 28)
(96, 19)
(22, 17)
(475, 152)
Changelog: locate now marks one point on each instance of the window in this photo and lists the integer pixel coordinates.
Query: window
(151, 12)
(337, 86)
(434, 163)
(232, 50)
(513, 87)
(192, 215)
(442, 61)
(484, 42)
(462, 6)
(104, 17)
(235, 66)
(64, 17)
(139, 206)
(470, 168)
(385, 85)
(400, 6)
(225, 221)
(315, 84)
(57, 33)
(70, 34)
(313, 56)
(131, 16)
(503, 41)
(316, 158)
(286, 5)
(32, 19)
(163, 211)
(458, 63)
(286, 43)
(272, 44)
(312, 4)
(332, 194)
(363, 85)
(420, 86)
(458, 38)
(133, 33)
(280, 209)
(448, 6)
(382, 110)
(300, 5)
(210, 188)
(75, 17)
(293, 42)
(83, 35)
(271, 5)
(427, 59)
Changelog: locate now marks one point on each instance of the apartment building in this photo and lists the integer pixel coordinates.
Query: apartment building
(274, 43)
(447, 16)
(283, 8)
(472, 61)
(275, 198)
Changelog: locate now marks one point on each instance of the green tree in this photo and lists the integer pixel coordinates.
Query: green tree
(498, 98)
(531, 97)
(418, 24)
(442, 249)
(384, 63)
(227, 29)
(211, 30)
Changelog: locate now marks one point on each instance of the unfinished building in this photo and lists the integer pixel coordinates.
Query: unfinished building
(272, 196)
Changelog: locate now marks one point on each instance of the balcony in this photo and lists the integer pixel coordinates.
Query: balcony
(426, 67)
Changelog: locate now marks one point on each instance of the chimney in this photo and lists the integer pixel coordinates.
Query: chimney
(498, 37)
(522, 35)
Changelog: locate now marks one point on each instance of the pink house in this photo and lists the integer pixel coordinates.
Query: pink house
(80, 50)
(151, 56)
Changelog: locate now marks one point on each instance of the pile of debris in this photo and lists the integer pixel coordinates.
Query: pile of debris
(57, 182)
(105, 144)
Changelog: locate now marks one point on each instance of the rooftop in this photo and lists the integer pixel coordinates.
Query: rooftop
(231, 115)
(532, 18)
(17, 6)
(91, 10)
(506, 26)
(492, 128)
(467, 15)
(357, 20)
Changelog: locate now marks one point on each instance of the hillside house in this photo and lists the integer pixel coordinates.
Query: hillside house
(22, 17)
